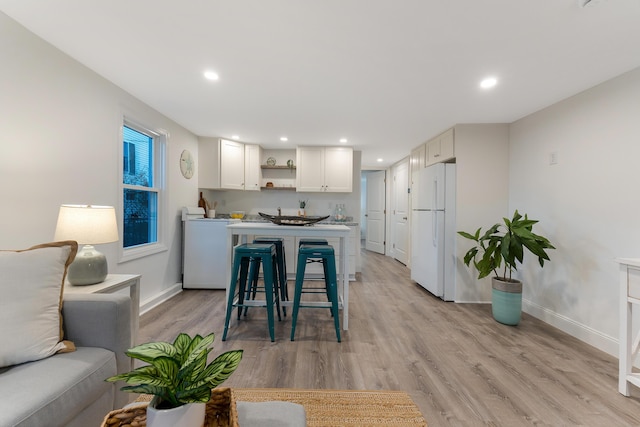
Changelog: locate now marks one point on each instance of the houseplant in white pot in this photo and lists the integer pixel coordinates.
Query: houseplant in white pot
(179, 378)
(502, 247)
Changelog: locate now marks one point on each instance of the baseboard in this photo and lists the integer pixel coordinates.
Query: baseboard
(584, 333)
(158, 299)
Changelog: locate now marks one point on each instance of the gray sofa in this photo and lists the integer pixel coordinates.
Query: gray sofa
(69, 389)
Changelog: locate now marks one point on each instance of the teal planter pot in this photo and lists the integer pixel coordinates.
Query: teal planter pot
(506, 301)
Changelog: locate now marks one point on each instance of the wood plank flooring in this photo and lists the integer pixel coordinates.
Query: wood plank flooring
(460, 366)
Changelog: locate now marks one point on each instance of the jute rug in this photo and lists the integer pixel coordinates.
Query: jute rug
(335, 408)
(324, 408)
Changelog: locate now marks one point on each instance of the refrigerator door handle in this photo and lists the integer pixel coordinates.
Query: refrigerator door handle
(434, 195)
(434, 229)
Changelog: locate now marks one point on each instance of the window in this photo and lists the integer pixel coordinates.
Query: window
(142, 190)
(129, 166)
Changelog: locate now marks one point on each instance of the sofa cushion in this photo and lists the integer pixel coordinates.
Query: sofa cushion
(31, 282)
(52, 391)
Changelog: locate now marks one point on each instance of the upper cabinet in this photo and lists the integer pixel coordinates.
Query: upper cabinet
(252, 171)
(418, 158)
(324, 169)
(441, 148)
(231, 165)
(222, 164)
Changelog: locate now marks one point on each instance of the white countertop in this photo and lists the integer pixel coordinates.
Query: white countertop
(290, 230)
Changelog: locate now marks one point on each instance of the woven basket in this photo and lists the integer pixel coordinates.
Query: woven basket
(220, 411)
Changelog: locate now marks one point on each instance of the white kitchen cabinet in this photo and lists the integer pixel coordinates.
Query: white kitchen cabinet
(418, 158)
(221, 164)
(324, 169)
(252, 170)
(231, 165)
(441, 148)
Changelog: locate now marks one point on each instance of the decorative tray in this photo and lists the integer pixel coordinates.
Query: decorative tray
(293, 220)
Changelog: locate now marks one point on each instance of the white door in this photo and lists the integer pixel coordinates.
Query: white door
(375, 215)
(400, 219)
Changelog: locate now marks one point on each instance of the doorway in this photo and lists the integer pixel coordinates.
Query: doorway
(373, 201)
(399, 209)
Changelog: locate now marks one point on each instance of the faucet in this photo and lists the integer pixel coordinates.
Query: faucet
(279, 212)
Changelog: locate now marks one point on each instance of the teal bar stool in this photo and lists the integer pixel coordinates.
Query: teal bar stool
(244, 255)
(281, 271)
(315, 242)
(327, 255)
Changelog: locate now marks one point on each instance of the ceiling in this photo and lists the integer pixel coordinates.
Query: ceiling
(385, 74)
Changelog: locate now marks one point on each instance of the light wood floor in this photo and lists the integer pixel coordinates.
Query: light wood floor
(460, 366)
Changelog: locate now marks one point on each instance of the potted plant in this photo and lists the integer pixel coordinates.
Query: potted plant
(179, 378)
(303, 205)
(502, 247)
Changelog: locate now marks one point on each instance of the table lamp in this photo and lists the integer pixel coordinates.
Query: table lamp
(88, 225)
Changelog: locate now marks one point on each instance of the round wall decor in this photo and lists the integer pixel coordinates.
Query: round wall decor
(187, 165)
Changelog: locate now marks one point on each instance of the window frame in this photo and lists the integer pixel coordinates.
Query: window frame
(160, 140)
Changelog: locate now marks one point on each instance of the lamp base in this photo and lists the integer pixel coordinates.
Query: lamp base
(89, 267)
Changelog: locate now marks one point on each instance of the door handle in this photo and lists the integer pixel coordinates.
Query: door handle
(404, 217)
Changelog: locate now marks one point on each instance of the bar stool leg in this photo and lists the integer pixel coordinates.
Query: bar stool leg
(282, 276)
(254, 273)
(232, 291)
(302, 263)
(244, 278)
(268, 291)
(332, 290)
(276, 285)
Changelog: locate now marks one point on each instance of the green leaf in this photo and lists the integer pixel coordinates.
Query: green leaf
(181, 344)
(470, 236)
(149, 351)
(471, 254)
(222, 367)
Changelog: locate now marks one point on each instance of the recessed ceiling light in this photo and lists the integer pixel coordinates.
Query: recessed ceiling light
(379, 160)
(284, 139)
(343, 140)
(488, 83)
(211, 75)
(235, 137)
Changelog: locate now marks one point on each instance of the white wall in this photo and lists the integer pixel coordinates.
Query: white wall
(588, 204)
(60, 142)
(482, 188)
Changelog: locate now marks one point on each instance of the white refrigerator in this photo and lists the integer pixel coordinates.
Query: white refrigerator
(433, 229)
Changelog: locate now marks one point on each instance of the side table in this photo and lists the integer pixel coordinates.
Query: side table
(113, 283)
(629, 292)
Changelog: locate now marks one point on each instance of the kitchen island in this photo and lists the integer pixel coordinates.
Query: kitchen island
(242, 230)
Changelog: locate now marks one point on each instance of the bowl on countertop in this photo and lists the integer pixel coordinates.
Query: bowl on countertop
(237, 214)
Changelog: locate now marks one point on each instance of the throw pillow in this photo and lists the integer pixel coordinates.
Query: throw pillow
(31, 282)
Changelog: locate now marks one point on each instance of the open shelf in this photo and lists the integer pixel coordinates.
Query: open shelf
(278, 167)
(279, 188)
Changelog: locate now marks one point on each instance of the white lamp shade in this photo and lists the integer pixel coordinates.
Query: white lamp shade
(87, 224)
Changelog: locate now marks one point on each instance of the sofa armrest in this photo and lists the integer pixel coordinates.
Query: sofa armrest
(100, 320)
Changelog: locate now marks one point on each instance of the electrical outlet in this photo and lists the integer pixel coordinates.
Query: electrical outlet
(553, 158)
